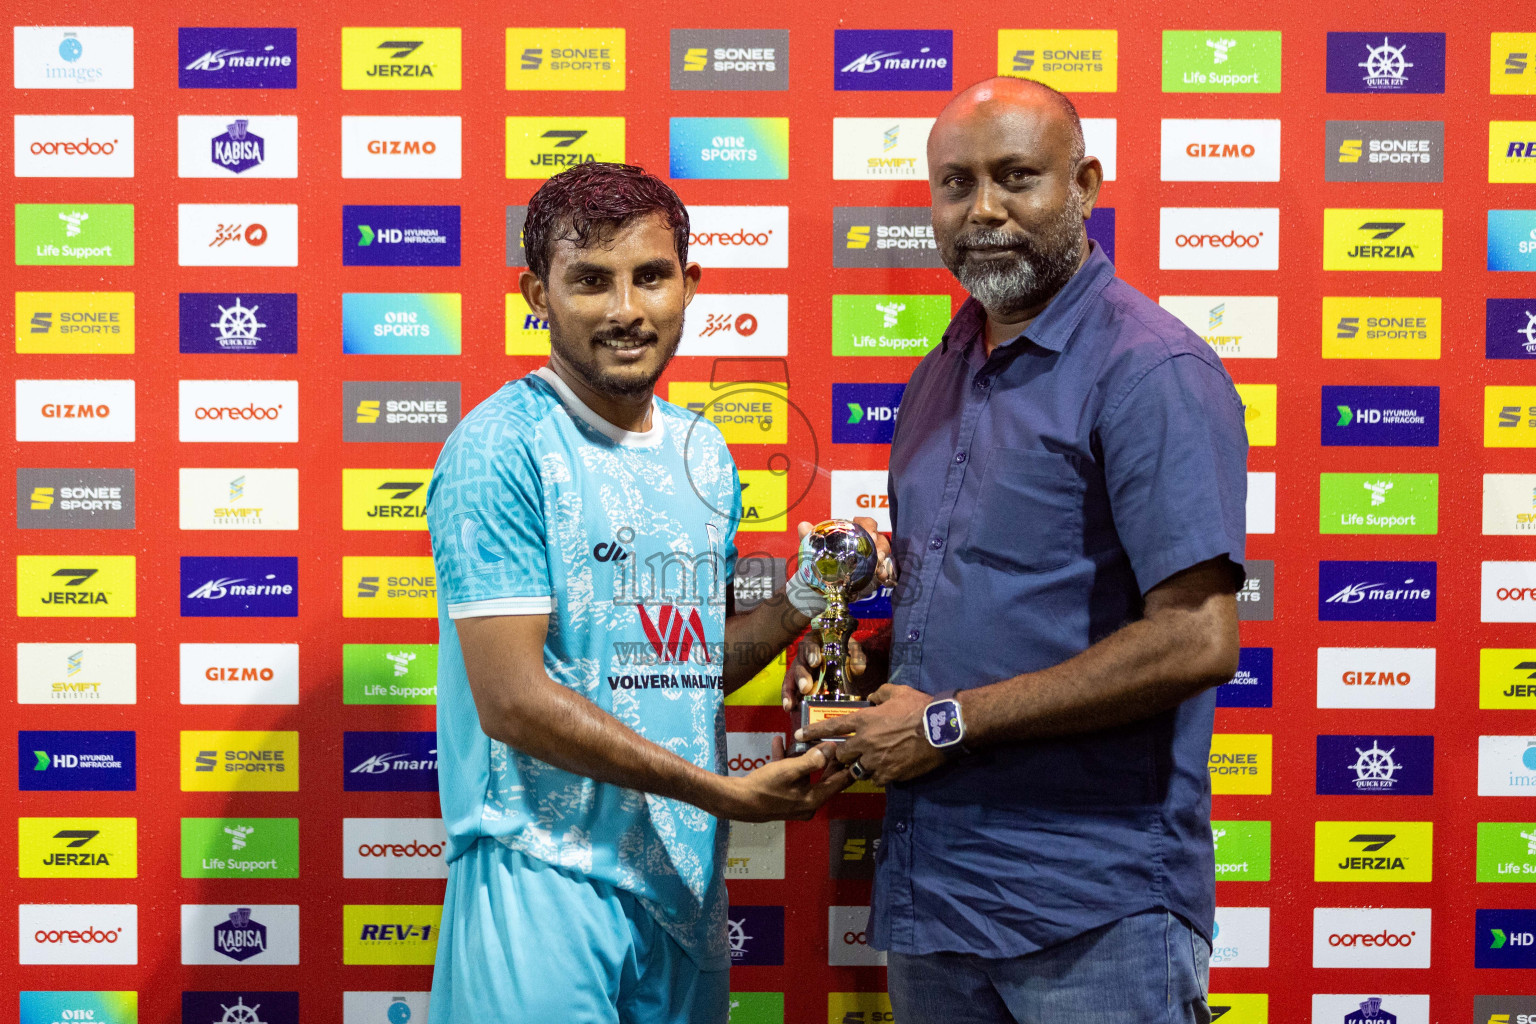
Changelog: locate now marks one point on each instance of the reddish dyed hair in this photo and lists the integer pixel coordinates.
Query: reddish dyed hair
(589, 202)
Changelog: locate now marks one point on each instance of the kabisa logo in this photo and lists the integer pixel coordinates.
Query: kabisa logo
(239, 322)
(238, 58)
(399, 410)
(1412, 62)
(59, 323)
(1509, 416)
(1381, 416)
(1506, 939)
(76, 586)
(76, 761)
(883, 236)
(1384, 151)
(247, 1007)
(756, 936)
(75, 410)
(1219, 238)
(540, 147)
(401, 323)
(1376, 765)
(1373, 851)
(1081, 60)
(390, 935)
(1376, 591)
(1382, 239)
(248, 587)
(742, 148)
(1221, 61)
(749, 237)
(565, 58)
(893, 59)
(1254, 684)
(400, 236)
(241, 937)
(1511, 67)
(1512, 240)
(79, 146)
(94, 57)
(1370, 937)
(1235, 326)
(78, 933)
(384, 499)
(1510, 329)
(393, 762)
(401, 147)
(74, 235)
(729, 59)
(864, 413)
(74, 499)
(1372, 1009)
(237, 235)
(236, 146)
(1200, 149)
(238, 761)
(388, 588)
(402, 58)
(78, 847)
(1381, 328)
(254, 935)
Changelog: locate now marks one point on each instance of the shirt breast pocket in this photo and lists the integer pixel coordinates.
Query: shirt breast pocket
(1029, 513)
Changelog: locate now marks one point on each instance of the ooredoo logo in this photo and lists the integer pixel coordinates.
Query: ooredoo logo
(1211, 238)
(1374, 937)
(394, 848)
(239, 410)
(751, 237)
(79, 933)
(848, 939)
(747, 751)
(92, 146)
(1509, 592)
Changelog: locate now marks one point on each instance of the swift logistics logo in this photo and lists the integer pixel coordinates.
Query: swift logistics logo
(74, 146)
(1512, 240)
(1373, 851)
(1219, 238)
(1382, 503)
(1506, 678)
(729, 59)
(541, 147)
(1376, 591)
(69, 323)
(893, 59)
(245, 936)
(74, 499)
(1509, 329)
(737, 148)
(76, 57)
(1214, 149)
(1506, 939)
(1235, 326)
(1381, 239)
(1221, 61)
(1242, 850)
(1511, 63)
(1381, 416)
(883, 236)
(75, 410)
(254, 323)
(76, 673)
(880, 148)
(565, 59)
(77, 847)
(1509, 416)
(1509, 504)
(389, 762)
(239, 847)
(1241, 763)
(238, 586)
(384, 499)
(74, 234)
(394, 411)
(392, 934)
(888, 325)
(388, 587)
(755, 850)
(1253, 686)
(1384, 151)
(238, 58)
(402, 147)
(402, 58)
(400, 236)
(1376, 678)
(239, 499)
(76, 761)
(1506, 851)
(402, 323)
(1381, 328)
(76, 586)
(1375, 765)
(249, 761)
(864, 413)
(389, 674)
(240, 674)
(1392, 62)
(1069, 60)
(1374, 937)
(237, 235)
(237, 147)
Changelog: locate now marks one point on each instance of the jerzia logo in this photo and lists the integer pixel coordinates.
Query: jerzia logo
(401, 58)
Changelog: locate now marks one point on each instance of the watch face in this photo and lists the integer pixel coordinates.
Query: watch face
(943, 723)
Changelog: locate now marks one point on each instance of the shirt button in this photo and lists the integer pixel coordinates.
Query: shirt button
(936, 543)
(901, 826)
(959, 457)
(913, 634)
(983, 382)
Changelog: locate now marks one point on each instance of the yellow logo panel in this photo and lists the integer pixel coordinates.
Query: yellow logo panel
(764, 502)
(401, 58)
(863, 1007)
(388, 588)
(746, 413)
(391, 934)
(527, 335)
(1359, 239)
(384, 499)
(76, 586)
(96, 323)
(764, 689)
(1082, 60)
(1358, 327)
(1242, 763)
(1512, 64)
(565, 58)
(1374, 851)
(1250, 1008)
(226, 762)
(541, 147)
(1511, 155)
(1506, 678)
(1509, 417)
(78, 847)
(1260, 402)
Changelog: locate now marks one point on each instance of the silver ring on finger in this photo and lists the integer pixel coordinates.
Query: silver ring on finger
(858, 771)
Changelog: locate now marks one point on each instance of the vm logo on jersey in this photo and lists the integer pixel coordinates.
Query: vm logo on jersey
(729, 59)
(221, 762)
(235, 586)
(384, 499)
(1512, 66)
(1376, 591)
(1384, 151)
(67, 323)
(254, 323)
(1071, 60)
(400, 236)
(78, 847)
(1242, 763)
(893, 59)
(1509, 416)
(1506, 938)
(1381, 239)
(1376, 765)
(674, 634)
(865, 413)
(1373, 851)
(1381, 416)
(76, 761)
(540, 147)
(565, 58)
(401, 58)
(392, 935)
(1405, 62)
(76, 586)
(238, 58)
(394, 762)
(1381, 328)
(402, 587)
(1254, 684)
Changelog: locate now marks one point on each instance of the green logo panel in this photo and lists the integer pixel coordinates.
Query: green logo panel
(74, 235)
(1506, 851)
(1221, 61)
(389, 673)
(888, 325)
(756, 1008)
(1379, 503)
(239, 847)
(1242, 850)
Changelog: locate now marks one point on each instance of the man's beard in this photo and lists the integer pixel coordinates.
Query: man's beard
(1037, 269)
(612, 385)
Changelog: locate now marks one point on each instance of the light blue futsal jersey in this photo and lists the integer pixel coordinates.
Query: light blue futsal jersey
(627, 541)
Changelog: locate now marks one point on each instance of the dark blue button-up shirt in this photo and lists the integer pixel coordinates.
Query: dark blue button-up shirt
(1036, 495)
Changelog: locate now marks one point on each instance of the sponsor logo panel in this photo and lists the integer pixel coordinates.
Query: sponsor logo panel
(1400, 62)
(740, 148)
(399, 410)
(1254, 684)
(1506, 677)
(893, 59)
(78, 934)
(236, 146)
(528, 335)
(541, 147)
(266, 1007)
(1241, 937)
(1512, 240)
(74, 499)
(730, 59)
(384, 499)
(403, 323)
(67, 323)
(1215, 149)
(1261, 503)
(397, 934)
(1506, 766)
(1376, 677)
(1510, 328)
(880, 148)
(74, 235)
(394, 848)
(237, 235)
(888, 325)
(74, 146)
(1381, 239)
(763, 689)
(1504, 1009)
(1373, 851)
(77, 847)
(859, 1008)
(76, 586)
(1506, 851)
(747, 413)
(745, 237)
(1506, 938)
(1260, 404)
(1375, 765)
(848, 939)
(865, 413)
(97, 1007)
(1381, 328)
(723, 325)
(1242, 850)
(239, 847)
(388, 587)
(1241, 763)
(239, 673)
(78, 673)
(1371, 937)
(1069, 60)
(246, 761)
(400, 236)
(1241, 1008)
(1384, 151)
(1509, 417)
(1509, 592)
(1363, 1009)
(75, 410)
(1236, 326)
(239, 499)
(239, 586)
(755, 850)
(565, 58)
(883, 236)
(402, 58)
(861, 492)
(1219, 238)
(389, 674)
(1394, 503)
(764, 506)
(1256, 599)
(373, 1007)
(394, 762)
(756, 1008)
(76, 761)
(238, 58)
(402, 147)
(1511, 69)
(1221, 61)
(747, 751)
(259, 323)
(1381, 416)
(852, 845)
(94, 57)
(227, 935)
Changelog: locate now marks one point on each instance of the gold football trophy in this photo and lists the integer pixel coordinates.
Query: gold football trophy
(837, 558)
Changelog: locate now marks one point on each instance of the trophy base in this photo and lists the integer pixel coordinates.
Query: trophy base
(816, 709)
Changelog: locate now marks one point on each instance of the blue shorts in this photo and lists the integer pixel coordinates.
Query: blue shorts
(524, 941)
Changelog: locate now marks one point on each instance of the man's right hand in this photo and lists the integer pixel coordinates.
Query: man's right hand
(783, 788)
(801, 673)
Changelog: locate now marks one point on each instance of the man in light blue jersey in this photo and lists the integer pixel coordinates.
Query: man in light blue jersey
(584, 537)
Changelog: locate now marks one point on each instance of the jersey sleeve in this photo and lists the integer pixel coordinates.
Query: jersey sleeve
(486, 515)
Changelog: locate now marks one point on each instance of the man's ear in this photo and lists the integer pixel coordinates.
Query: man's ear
(691, 274)
(534, 293)
(1090, 175)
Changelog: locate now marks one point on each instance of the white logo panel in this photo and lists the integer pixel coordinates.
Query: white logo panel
(78, 933)
(1506, 766)
(1331, 1009)
(747, 751)
(239, 410)
(848, 939)
(402, 147)
(83, 57)
(1374, 937)
(76, 674)
(239, 673)
(736, 325)
(1509, 503)
(1218, 238)
(1376, 677)
(239, 936)
(1242, 937)
(1101, 138)
(1261, 503)
(239, 499)
(374, 1007)
(85, 146)
(237, 146)
(756, 850)
(1509, 591)
(749, 237)
(1217, 149)
(237, 235)
(394, 848)
(861, 492)
(1235, 326)
(75, 410)
(880, 148)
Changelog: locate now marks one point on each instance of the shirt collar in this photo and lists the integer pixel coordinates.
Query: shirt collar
(1054, 326)
(573, 403)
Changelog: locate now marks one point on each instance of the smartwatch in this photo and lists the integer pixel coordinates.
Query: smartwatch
(944, 726)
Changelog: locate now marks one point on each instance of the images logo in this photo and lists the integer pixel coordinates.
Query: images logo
(81, 146)
(1376, 591)
(78, 847)
(1236, 326)
(384, 499)
(1355, 239)
(78, 933)
(1376, 765)
(565, 58)
(539, 147)
(222, 762)
(1381, 328)
(1384, 151)
(259, 411)
(394, 762)
(239, 848)
(749, 237)
(1220, 150)
(893, 59)
(1512, 240)
(73, 58)
(1374, 937)
(1373, 851)
(239, 673)
(248, 587)
(237, 235)
(888, 325)
(401, 58)
(237, 147)
(238, 58)
(1506, 938)
(1254, 684)
(1379, 503)
(76, 761)
(239, 322)
(1221, 61)
(864, 413)
(1241, 763)
(1381, 416)
(399, 410)
(1219, 238)
(1376, 677)
(410, 323)
(1509, 417)
(1386, 62)
(728, 325)
(1506, 766)
(1242, 850)
(1511, 69)
(730, 59)
(883, 236)
(389, 673)
(74, 499)
(1082, 60)
(1506, 678)
(82, 234)
(755, 148)
(401, 147)
(388, 588)
(76, 586)
(400, 236)
(1241, 937)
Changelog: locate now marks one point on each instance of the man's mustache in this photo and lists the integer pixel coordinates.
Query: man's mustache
(625, 334)
(992, 240)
